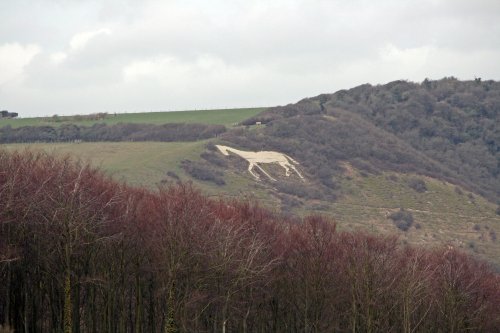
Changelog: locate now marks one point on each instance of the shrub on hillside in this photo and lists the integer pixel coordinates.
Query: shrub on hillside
(203, 172)
(402, 219)
(288, 202)
(214, 158)
(173, 175)
(417, 184)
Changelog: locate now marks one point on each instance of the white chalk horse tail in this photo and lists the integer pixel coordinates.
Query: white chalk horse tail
(254, 158)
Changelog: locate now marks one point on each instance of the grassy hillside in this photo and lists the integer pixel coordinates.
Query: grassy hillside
(226, 117)
(137, 163)
(444, 213)
(149, 163)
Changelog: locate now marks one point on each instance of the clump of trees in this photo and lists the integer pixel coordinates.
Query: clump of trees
(7, 114)
(104, 132)
(82, 253)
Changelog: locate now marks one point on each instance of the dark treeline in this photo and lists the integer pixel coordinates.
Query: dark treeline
(104, 132)
(81, 253)
(447, 129)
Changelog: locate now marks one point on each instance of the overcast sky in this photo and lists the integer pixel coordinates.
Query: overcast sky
(74, 56)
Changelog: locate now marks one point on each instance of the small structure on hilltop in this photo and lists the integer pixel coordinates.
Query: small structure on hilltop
(254, 158)
(7, 114)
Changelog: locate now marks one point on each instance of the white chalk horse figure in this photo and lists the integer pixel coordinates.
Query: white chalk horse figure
(254, 158)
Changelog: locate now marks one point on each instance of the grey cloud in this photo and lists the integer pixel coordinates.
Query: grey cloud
(195, 54)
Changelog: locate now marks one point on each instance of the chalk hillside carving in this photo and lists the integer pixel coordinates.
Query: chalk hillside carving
(263, 157)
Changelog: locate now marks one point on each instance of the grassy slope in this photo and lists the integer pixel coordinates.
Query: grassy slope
(138, 163)
(226, 117)
(443, 214)
(147, 163)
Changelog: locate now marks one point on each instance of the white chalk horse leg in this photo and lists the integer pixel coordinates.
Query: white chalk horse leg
(250, 169)
(285, 166)
(291, 165)
(268, 175)
(297, 171)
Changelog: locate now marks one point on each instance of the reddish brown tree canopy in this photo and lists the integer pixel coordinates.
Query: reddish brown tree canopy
(82, 253)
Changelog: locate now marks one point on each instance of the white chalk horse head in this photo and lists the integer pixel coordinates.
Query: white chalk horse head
(254, 158)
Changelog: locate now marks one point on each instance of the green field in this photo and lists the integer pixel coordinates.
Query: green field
(226, 117)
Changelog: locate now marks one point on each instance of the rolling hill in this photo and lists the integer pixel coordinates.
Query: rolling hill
(421, 160)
